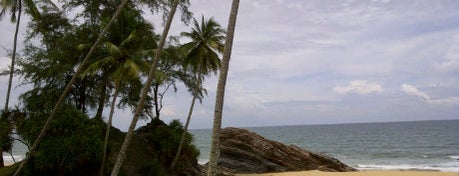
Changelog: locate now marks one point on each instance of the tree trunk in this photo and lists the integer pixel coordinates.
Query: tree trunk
(2, 163)
(214, 150)
(13, 57)
(188, 119)
(67, 90)
(144, 93)
(182, 140)
(109, 125)
(103, 93)
(10, 81)
(12, 157)
(155, 94)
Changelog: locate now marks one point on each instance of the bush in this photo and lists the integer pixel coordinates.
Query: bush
(72, 146)
(165, 139)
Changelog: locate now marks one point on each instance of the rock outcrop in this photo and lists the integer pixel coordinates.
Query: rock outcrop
(246, 152)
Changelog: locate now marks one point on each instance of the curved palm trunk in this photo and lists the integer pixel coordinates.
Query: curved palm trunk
(182, 140)
(100, 108)
(109, 125)
(214, 150)
(187, 123)
(145, 90)
(13, 58)
(67, 90)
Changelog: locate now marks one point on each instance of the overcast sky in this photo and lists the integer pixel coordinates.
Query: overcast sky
(316, 62)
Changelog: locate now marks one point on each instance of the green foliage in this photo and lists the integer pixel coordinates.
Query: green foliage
(72, 147)
(201, 53)
(164, 139)
(6, 129)
(152, 168)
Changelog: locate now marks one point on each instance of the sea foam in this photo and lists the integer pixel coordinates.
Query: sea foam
(447, 167)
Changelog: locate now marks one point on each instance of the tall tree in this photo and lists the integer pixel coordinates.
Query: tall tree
(125, 61)
(214, 150)
(202, 58)
(145, 90)
(15, 8)
(66, 91)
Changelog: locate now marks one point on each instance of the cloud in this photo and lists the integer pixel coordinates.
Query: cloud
(411, 90)
(361, 87)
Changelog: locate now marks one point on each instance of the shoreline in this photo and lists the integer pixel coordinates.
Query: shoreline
(359, 173)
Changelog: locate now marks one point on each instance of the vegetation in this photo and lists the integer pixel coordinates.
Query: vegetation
(202, 59)
(105, 55)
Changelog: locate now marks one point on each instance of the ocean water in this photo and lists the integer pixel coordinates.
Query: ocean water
(420, 145)
(19, 151)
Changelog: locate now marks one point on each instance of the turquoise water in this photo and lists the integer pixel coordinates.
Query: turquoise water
(422, 145)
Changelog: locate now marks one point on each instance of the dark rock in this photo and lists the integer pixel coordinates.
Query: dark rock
(246, 152)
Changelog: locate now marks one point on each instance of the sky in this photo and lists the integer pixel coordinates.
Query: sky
(320, 62)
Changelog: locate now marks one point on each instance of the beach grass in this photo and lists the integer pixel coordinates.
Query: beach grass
(358, 173)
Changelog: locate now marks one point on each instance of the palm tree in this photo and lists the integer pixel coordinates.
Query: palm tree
(15, 8)
(201, 55)
(67, 89)
(214, 149)
(122, 67)
(144, 93)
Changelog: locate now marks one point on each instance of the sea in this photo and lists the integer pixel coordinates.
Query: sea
(417, 145)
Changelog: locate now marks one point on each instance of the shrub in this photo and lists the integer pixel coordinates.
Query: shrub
(72, 146)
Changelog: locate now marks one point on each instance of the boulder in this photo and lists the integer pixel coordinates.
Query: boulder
(247, 152)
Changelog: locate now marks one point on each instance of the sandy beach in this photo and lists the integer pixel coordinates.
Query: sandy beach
(359, 173)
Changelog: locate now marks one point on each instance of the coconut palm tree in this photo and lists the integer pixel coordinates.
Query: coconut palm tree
(122, 67)
(146, 88)
(15, 8)
(67, 89)
(202, 58)
(125, 59)
(214, 150)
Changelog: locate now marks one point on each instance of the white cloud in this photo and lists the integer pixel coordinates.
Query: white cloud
(361, 87)
(411, 90)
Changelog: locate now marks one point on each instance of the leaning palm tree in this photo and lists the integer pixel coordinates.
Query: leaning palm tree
(15, 8)
(67, 89)
(214, 149)
(202, 58)
(146, 88)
